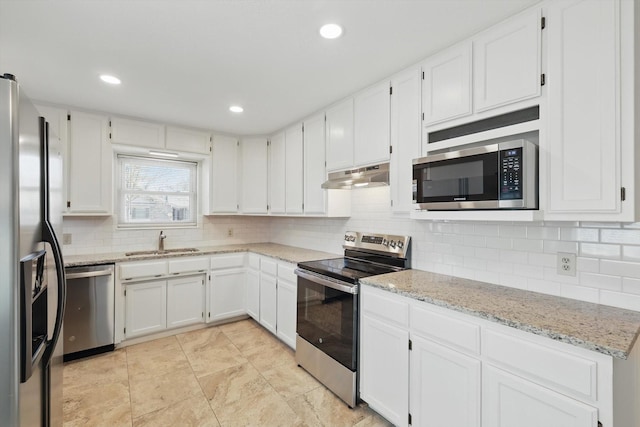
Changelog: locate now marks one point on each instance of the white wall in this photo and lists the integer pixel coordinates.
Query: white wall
(521, 255)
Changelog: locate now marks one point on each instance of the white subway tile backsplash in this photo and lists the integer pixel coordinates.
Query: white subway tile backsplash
(579, 234)
(514, 257)
(529, 245)
(551, 246)
(513, 231)
(477, 241)
(545, 233)
(580, 292)
(620, 268)
(631, 286)
(598, 250)
(625, 237)
(499, 243)
(631, 253)
(544, 287)
(619, 299)
(542, 259)
(601, 281)
(588, 265)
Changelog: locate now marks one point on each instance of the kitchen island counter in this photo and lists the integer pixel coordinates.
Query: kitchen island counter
(605, 329)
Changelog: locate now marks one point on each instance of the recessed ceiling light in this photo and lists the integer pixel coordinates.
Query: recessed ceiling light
(236, 109)
(112, 80)
(331, 31)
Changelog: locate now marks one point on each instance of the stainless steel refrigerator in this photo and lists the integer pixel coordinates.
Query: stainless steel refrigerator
(32, 281)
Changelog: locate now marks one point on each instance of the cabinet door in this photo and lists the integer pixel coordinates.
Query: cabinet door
(145, 308)
(506, 62)
(287, 308)
(227, 294)
(133, 132)
(293, 167)
(339, 134)
(444, 386)
(90, 165)
(583, 130)
(189, 140)
(384, 369)
(254, 176)
(268, 302)
(446, 90)
(277, 174)
(315, 172)
(405, 137)
(185, 301)
(253, 294)
(508, 400)
(224, 175)
(372, 121)
(58, 128)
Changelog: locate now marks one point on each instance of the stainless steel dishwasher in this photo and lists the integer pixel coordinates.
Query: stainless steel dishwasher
(89, 314)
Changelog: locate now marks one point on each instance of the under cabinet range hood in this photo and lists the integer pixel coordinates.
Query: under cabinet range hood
(369, 176)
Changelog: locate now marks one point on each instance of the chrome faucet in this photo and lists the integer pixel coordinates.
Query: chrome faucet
(161, 241)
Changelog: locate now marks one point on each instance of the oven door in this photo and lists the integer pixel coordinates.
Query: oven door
(328, 316)
(466, 179)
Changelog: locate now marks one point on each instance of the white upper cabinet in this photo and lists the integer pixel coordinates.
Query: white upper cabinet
(139, 133)
(590, 122)
(224, 175)
(506, 62)
(405, 136)
(189, 140)
(57, 119)
(293, 170)
(314, 166)
(277, 174)
(90, 165)
(254, 176)
(447, 84)
(339, 134)
(372, 121)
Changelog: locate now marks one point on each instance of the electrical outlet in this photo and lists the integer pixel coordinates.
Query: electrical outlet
(66, 238)
(229, 232)
(566, 264)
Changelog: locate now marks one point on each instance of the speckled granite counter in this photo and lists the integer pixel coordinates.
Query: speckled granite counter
(596, 327)
(282, 252)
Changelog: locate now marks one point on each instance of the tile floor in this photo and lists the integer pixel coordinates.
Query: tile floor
(236, 374)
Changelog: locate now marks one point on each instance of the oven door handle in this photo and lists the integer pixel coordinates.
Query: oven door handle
(334, 284)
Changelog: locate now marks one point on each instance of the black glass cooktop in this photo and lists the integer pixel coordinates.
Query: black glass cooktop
(346, 269)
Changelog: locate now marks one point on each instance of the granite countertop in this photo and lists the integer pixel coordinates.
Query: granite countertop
(282, 252)
(608, 330)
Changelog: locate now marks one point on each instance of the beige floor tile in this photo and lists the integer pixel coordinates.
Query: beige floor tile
(374, 420)
(269, 355)
(290, 380)
(161, 345)
(104, 368)
(194, 411)
(226, 387)
(157, 363)
(151, 394)
(108, 402)
(114, 416)
(207, 362)
(238, 326)
(267, 408)
(251, 338)
(202, 340)
(320, 407)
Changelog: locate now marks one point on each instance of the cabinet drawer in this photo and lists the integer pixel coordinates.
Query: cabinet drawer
(227, 261)
(254, 261)
(184, 265)
(143, 269)
(385, 305)
(268, 266)
(445, 329)
(544, 365)
(286, 272)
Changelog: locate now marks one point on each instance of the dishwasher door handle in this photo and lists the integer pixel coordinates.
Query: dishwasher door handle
(86, 274)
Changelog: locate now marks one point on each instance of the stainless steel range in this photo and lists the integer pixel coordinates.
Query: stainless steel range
(328, 307)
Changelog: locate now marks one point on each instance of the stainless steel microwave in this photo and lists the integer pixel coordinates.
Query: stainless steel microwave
(495, 176)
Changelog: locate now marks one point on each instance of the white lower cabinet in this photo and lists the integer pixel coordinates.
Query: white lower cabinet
(253, 294)
(145, 308)
(268, 302)
(509, 401)
(185, 301)
(444, 386)
(287, 303)
(227, 294)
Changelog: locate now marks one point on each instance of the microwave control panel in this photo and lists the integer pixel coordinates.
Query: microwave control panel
(511, 174)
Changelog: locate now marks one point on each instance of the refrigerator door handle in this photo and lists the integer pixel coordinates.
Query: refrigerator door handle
(49, 236)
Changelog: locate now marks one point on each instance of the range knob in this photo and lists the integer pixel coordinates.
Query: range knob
(385, 242)
(352, 238)
(392, 243)
(346, 237)
(400, 244)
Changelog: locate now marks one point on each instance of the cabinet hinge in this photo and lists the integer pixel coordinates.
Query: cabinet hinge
(623, 194)
(109, 135)
(542, 79)
(68, 116)
(543, 22)
(303, 206)
(391, 149)
(210, 139)
(391, 203)
(267, 207)
(409, 419)
(303, 127)
(423, 75)
(209, 315)
(209, 277)
(422, 116)
(238, 207)
(238, 143)
(268, 143)
(68, 203)
(390, 90)
(410, 345)
(210, 149)
(203, 314)
(109, 123)
(125, 331)
(125, 292)
(202, 282)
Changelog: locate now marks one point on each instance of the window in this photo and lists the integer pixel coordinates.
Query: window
(153, 192)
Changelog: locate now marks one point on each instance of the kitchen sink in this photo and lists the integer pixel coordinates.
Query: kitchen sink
(165, 251)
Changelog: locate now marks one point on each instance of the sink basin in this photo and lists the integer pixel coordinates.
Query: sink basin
(166, 251)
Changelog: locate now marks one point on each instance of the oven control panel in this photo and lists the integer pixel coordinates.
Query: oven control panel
(391, 244)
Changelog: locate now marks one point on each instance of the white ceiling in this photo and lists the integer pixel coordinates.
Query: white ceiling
(186, 61)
